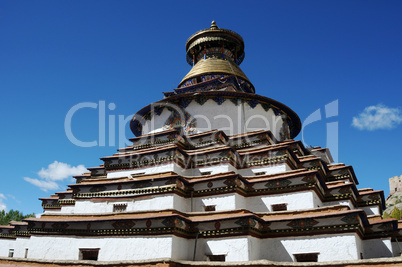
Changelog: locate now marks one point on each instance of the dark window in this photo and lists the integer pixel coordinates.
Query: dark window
(209, 208)
(259, 173)
(119, 207)
(216, 257)
(279, 207)
(206, 173)
(11, 253)
(26, 253)
(89, 254)
(306, 257)
(137, 174)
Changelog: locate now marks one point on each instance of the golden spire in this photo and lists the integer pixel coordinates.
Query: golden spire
(215, 52)
(213, 25)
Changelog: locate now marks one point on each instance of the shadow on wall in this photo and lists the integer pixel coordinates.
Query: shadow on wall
(277, 252)
(259, 205)
(376, 248)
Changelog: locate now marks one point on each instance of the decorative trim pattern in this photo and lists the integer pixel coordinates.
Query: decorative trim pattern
(252, 103)
(219, 100)
(201, 100)
(184, 102)
(302, 223)
(278, 183)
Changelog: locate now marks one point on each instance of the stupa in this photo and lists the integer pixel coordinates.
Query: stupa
(213, 174)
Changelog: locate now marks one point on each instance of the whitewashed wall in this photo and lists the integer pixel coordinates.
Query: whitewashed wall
(181, 204)
(216, 169)
(270, 169)
(173, 167)
(230, 201)
(148, 170)
(182, 248)
(241, 202)
(377, 248)
(235, 248)
(294, 201)
(111, 249)
(330, 248)
(317, 201)
(227, 117)
(254, 248)
(340, 202)
(221, 202)
(152, 202)
(396, 249)
(6, 245)
(371, 210)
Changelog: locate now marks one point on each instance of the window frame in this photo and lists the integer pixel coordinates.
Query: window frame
(217, 258)
(306, 257)
(82, 252)
(279, 207)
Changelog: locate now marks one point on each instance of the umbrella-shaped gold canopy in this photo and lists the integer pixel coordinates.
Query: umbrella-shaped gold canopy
(215, 52)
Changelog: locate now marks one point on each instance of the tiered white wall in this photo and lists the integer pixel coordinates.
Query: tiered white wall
(169, 167)
(254, 248)
(372, 210)
(270, 169)
(396, 249)
(340, 202)
(317, 201)
(19, 245)
(377, 248)
(145, 203)
(235, 248)
(231, 201)
(227, 117)
(216, 169)
(330, 248)
(182, 248)
(173, 167)
(221, 202)
(294, 201)
(111, 249)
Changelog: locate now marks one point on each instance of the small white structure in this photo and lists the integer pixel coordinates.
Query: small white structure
(395, 184)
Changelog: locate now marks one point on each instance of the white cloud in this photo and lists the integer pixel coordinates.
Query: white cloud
(42, 184)
(58, 171)
(377, 117)
(55, 172)
(2, 204)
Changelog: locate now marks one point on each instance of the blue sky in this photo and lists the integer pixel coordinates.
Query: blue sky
(124, 54)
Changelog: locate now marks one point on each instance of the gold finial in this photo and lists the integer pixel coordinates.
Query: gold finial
(213, 25)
